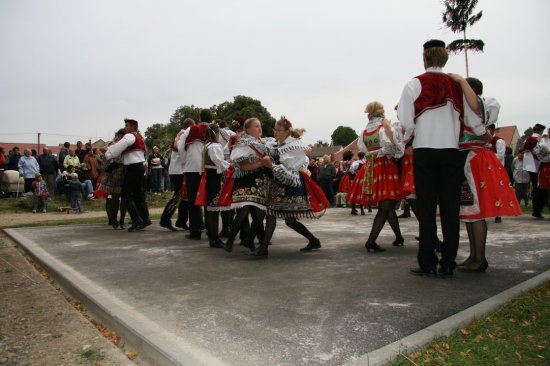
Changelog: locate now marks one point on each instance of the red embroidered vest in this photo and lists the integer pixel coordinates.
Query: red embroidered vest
(197, 133)
(437, 90)
(139, 144)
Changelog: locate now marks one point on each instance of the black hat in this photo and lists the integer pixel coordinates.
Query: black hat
(539, 126)
(434, 43)
(131, 121)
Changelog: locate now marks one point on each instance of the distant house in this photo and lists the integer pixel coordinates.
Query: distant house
(352, 147)
(509, 134)
(320, 151)
(25, 145)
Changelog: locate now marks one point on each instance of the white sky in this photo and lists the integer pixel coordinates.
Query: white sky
(73, 69)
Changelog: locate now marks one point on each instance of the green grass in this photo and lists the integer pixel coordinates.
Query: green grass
(14, 205)
(91, 356)
(515, 334)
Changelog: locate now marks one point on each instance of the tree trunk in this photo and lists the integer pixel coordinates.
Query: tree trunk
(466, 56)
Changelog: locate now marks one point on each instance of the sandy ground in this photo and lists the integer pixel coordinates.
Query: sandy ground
(38, 324)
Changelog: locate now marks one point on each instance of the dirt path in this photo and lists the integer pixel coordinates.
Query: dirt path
(38, 325)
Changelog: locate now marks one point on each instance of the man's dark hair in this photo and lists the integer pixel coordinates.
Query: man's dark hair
(67, 144)
(538, 128)
(476, 85)
(361, 154)
(347, 155)
(206, 115)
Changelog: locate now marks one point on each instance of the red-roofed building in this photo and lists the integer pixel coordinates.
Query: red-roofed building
(509, 134)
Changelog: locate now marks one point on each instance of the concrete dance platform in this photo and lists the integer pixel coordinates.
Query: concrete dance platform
(179, 302)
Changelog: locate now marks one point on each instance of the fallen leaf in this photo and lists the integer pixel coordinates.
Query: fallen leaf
(518, 356)
(131, 355)
(478, 339)
(464, 331)
(517, 339)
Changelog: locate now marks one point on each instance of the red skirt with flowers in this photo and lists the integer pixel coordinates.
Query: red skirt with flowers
(407, 176)
(345, 184)
(544, 176)
(377, 180)
(493, 195)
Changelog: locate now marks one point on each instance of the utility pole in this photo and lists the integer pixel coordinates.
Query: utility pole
(38, 147)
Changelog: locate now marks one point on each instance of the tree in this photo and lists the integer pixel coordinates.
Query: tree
(321, 143)
(458, 17)
(248, 107)
(343, 136)
(158, 135)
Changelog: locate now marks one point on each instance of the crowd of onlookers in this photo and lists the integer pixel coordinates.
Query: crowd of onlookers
(47, 174)
(73, 173)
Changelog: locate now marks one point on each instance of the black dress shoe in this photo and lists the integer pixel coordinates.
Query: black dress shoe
(183, 227)
(216, 244)
(419, 271)
(354, 213)
(312, 245)
(259, 253)
(445, 271)
(404, 215)
(193, 236)
(168, 226)
(146, 223)
(498, 220)
(537, 215)
(134, 228)
(374, 247)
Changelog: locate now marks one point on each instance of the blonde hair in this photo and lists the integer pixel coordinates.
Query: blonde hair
(375, 109)
(435, 57)
(287, 125)
(249, 123)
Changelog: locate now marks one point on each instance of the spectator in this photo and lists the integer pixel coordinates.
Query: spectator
(80, 152)
(85, 183)
(48, 169)
(13, 163)
(313, 168)
(28, 167)
(327, 172)
(40, 190)
(75, 192)
(71, 160)
(62, 154)
(508, 160)
(91, 169)
(156, 166)
(521, 179)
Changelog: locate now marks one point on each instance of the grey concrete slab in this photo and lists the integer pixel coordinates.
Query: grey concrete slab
(185, 303)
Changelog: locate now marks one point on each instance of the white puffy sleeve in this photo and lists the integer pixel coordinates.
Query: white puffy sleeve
(387, 147)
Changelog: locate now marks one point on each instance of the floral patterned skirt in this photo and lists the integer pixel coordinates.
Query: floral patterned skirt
(288, 202)
(376, 181)
(250, 190)
(491, 191)
(407, 176)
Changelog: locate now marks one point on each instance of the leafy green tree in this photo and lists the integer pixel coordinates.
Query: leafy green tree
(158, 135)
(458, 16)
(343, 136)
(248, 107)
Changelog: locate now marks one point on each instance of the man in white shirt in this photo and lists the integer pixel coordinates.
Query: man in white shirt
(131, 148)
(432, 108)
(190, 148)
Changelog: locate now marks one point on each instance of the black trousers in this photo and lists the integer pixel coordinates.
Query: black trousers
(195, 216)
(177, 180)
(133, 193)
(539, 195)
(438, 175)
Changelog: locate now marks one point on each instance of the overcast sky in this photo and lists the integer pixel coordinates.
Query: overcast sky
(74, 69)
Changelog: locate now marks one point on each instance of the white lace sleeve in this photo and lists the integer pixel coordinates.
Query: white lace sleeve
(388, 148)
